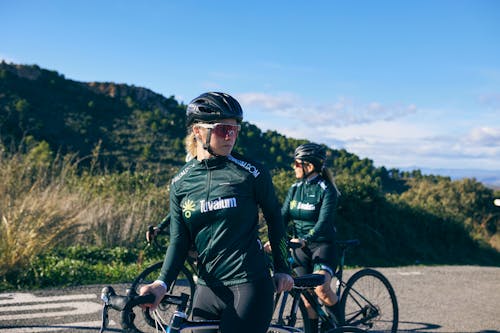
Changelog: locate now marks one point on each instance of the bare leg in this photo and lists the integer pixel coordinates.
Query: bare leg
(325, 292)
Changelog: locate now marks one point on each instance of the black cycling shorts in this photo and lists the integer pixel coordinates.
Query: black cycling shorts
(315, 257)
(242, 308)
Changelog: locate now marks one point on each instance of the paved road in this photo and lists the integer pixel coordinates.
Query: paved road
(453, 299)
(447, 299)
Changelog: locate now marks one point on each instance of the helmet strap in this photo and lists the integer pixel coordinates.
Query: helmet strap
(304, 174)
(206, 145)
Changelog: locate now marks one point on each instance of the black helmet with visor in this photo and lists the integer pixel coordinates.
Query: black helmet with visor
(208, 109)
(312, 153)
(212, 107)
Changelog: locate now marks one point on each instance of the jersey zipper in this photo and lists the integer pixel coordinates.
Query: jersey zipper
(208, 185)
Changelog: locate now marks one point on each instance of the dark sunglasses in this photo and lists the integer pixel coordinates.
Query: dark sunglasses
(222, 130)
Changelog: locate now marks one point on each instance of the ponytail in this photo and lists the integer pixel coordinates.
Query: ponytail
(327, 175)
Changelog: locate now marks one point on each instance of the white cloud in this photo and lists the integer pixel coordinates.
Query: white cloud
(340, 113)
(391, 135)
(273, 103)
(484, 136)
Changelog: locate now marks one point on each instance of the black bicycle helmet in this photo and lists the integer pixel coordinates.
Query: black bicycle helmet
(312, 153)
(211, 107)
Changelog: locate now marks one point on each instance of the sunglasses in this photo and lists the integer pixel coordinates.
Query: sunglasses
(222, 130)
(298, 164)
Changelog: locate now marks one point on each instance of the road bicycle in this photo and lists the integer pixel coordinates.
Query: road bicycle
(367, 300)
(179, 321)
(184, 284)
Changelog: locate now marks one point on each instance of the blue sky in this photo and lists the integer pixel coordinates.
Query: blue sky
(404, 83)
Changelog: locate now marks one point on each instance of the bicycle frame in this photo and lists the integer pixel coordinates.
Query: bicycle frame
(309, 295)
(179, 321)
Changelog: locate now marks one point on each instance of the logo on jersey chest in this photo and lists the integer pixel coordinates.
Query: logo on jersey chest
(188, 208)
(209, 206)
(301, 205)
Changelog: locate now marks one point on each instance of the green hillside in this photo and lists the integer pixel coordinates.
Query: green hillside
(87, 164)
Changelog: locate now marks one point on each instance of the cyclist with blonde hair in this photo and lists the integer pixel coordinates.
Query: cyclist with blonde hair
(214, 204)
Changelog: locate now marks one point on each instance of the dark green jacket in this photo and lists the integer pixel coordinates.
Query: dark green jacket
(214, 203)
(311, 206)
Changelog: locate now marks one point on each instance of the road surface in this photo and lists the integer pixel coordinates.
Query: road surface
(452, 299)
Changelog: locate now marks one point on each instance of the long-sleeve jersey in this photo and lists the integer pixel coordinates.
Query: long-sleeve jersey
(311, 206)
(214, 203)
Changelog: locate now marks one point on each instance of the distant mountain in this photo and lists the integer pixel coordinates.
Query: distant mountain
(134, 127)
(130, 126)
(490, 178)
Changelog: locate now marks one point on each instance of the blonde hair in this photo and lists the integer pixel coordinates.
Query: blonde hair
(190, 143)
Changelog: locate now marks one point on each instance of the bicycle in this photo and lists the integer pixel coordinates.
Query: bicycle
(179, 321)
(184, 284)
(367, 300)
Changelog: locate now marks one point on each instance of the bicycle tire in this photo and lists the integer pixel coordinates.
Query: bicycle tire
(142, 320)
(369, 302)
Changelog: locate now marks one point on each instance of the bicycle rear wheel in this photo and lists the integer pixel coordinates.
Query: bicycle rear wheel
(143, 319)
(369, 302)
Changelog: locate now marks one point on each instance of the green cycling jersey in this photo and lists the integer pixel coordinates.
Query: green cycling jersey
(214, 204)
(311, 205)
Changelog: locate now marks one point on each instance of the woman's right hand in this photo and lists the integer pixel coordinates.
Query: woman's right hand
(282, 282)
(156, 288)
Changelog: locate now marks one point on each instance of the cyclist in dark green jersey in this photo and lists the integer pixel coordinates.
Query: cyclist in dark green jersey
(214, 204)
(310, 205)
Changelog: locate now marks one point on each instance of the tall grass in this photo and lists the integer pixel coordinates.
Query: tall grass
(48, 202)
(36, 211)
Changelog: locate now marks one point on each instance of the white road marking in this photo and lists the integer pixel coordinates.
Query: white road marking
(72, 309)
(55, 327)
(13, 298)
(26, 306)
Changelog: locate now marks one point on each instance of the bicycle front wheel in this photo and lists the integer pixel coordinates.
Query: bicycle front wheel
(144, 321)
(369, 302)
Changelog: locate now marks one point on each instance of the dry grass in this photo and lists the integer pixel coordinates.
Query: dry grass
(45, 202)
(116, 221)
(36, 222)
(36, 212)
